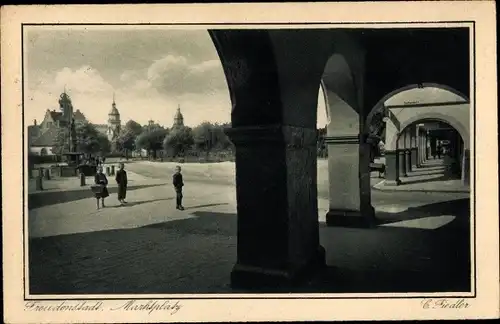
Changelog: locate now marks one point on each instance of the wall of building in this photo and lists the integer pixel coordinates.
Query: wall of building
(37, 150)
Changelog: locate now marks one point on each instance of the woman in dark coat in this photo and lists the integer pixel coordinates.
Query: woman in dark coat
(121, 180)
(100, 179)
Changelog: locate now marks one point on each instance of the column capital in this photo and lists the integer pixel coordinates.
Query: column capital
(290, 136)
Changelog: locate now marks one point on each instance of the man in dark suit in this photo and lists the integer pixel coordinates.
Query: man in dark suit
(178, 184)
(121, 180)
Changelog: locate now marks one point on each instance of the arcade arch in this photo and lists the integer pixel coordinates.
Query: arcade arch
(418, 146)
(392, 138)
(273, 78)
(406, 106)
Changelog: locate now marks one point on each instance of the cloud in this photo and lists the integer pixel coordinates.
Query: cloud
(176, 76)
(113, 50)
(84, 80)
(137, 99)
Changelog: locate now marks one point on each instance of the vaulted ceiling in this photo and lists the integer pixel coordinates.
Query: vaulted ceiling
(397, 58)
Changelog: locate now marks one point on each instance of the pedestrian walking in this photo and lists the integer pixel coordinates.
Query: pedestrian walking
(178, 184)
(100, 190)
(121, 180)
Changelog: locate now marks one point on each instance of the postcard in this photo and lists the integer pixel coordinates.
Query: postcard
(249, 162)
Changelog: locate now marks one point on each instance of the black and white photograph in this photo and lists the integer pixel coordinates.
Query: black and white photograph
(186, 160)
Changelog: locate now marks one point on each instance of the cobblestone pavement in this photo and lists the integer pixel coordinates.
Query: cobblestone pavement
(149, 247)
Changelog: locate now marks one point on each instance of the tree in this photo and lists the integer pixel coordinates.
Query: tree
(151, 139)
(203, 137)
(321, 146)
(178, 141)
(88, 140)
(134, 127)
(220, 139)
(126, 141)
(208, 137)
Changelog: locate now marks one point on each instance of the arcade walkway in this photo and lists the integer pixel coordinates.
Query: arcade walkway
(419, 245)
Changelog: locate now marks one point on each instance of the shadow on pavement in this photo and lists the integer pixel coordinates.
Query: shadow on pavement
(47, 198)
(450, 207)
(135, 203)
(196, 255)
(207, 205)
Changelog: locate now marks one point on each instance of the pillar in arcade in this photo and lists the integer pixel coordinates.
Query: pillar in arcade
(402, 154)
(274, 85)
(414, 146)
(409, 143)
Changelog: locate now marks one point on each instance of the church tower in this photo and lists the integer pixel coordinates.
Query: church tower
(66, 107)
(178, 118)
(114, 122)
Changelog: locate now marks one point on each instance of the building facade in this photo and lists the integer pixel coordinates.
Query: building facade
(42, 137)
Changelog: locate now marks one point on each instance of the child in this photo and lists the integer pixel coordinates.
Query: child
(100, 179)
(178, 184)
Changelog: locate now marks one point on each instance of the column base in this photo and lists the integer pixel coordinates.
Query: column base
(254, 277)
(351, 218)
(392, 182)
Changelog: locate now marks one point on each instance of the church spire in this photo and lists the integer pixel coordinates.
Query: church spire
(178, 118)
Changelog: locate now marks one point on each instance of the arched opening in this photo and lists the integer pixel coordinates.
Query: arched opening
(440, 152)
(348, 175)
(408, 105)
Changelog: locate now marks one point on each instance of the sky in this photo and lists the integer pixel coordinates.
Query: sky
(150, 70)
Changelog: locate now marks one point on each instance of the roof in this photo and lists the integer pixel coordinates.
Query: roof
(47, 138)
(78, 115)
(55, 115)
(33, 131)
(114, 110)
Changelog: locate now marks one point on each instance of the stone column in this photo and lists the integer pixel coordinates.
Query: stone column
(423, 145)
(278, 238)
(414, 147)
(425, 154)
(402, 155)
(466, 167)
(350, 205)
(348, 151)
(427, 144)
(392, 168)
(420, 146)
(409, 143)
(424, 135)
(273, 79)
